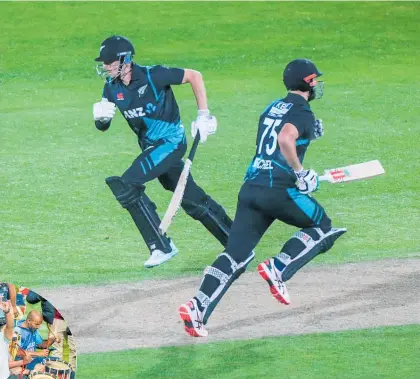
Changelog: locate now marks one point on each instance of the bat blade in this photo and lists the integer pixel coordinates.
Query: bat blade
(349, 173)
(176, 198)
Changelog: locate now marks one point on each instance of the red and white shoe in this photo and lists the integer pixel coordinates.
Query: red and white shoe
(272, 276)
(193, 321)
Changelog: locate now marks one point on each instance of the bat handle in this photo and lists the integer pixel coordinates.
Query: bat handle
(324, 178)
(194, 146)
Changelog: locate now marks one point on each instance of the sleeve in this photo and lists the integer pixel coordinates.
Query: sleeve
(38, 339)
(162, 76)
(304, 123)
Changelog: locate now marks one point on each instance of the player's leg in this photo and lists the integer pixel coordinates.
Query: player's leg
(198, 205)
(129, 190)
(249, 226)
(315, 237)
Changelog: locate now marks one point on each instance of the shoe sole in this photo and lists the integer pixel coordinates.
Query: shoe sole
(188, 324)
(167, 258)
(273, 289)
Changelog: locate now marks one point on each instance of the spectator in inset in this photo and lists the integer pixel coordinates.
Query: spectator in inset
(31, 339)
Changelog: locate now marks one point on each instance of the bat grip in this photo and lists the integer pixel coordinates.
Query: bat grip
(324, 178)
(194, 146)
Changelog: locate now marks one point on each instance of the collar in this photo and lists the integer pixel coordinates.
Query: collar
(296, 99)
(20, 325)
(137, 75)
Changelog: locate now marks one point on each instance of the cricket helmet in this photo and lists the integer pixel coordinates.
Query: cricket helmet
(116, 48)
(300, 74)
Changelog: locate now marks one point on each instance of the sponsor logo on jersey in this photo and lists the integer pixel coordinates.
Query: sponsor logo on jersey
(134, 113)
(120, 96)
(280, 109)
(262, 164)
(142, 90)
(150, 108)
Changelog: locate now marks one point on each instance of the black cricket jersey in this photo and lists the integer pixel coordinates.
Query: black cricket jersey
(148, 103)
(269, 167)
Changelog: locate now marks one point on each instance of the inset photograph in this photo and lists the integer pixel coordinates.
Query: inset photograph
(35, 340)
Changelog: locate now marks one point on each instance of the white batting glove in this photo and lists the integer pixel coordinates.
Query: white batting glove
(205, 123)
(318, 129)
(307, 181)
(103, 111)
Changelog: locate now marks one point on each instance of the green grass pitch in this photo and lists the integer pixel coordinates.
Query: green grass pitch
(386, 353)
(61, 219)
(61, 225)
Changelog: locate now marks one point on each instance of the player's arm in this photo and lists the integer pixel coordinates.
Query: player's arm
(205, 123)
(287, 143)
(195, 79)
(45, 344)
(6, 307)
(163, 77)
(307, 179)
(20, 363)
(43, 353)
(12, 295)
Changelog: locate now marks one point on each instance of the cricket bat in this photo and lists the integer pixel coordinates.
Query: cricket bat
(180, 188)
(353, 172)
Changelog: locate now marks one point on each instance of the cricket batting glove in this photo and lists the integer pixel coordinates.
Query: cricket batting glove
(103, 111)
(318, 129)
(205, 123)
(307, 181)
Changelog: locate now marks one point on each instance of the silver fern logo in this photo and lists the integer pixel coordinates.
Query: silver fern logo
(142, 90)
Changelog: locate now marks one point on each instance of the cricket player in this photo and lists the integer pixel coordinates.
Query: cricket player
(145, 99)
(276, 187)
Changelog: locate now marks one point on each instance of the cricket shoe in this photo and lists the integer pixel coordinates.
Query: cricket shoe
(272, 276)
(191, 315)
(157, 257)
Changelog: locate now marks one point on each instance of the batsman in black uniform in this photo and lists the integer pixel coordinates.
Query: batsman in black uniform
(144, 97)
(276, 187)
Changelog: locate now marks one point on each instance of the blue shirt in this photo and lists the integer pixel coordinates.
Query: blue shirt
(148, 103)
(29, 339)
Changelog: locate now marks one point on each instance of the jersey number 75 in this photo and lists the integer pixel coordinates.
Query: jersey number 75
(271, 146)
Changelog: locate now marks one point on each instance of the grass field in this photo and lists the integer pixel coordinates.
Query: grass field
(61, 225)
(347, 355)
(60, 219)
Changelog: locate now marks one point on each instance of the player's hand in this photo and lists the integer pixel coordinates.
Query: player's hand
(205, 123)
(5, 306)
(103, 111)
(15, 312)
(307, 181)
(27, 359)
(44, 353)
(318, 129)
